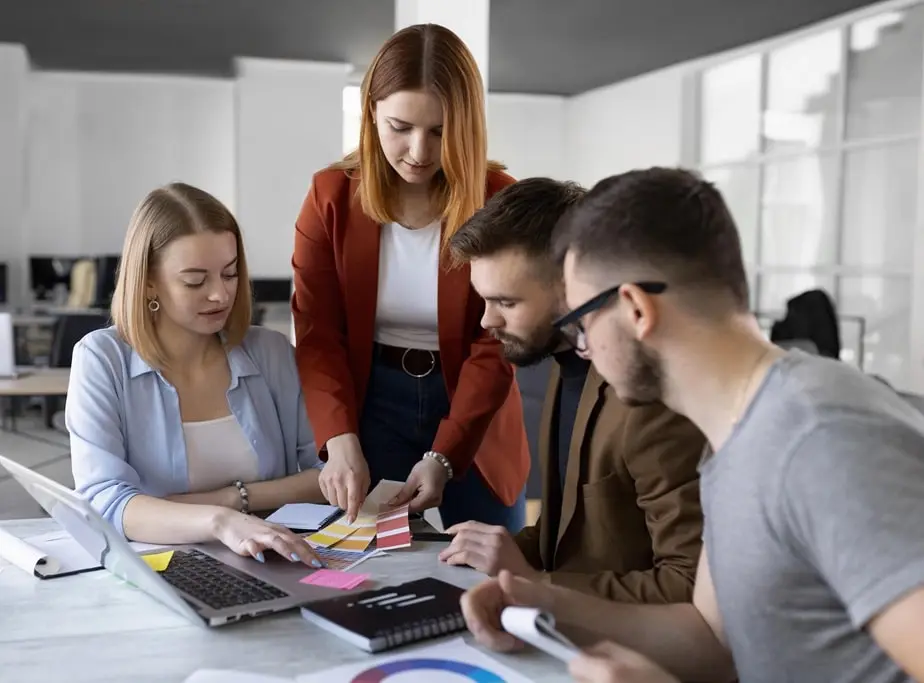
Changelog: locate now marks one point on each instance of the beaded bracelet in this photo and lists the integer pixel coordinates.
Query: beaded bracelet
(245, 502)
(442, 460)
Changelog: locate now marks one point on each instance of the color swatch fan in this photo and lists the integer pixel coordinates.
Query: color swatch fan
(341, 535)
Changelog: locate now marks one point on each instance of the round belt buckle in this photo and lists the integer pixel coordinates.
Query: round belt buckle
(414, 374)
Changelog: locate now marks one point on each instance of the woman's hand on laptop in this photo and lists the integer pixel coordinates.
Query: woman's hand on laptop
(248, 535)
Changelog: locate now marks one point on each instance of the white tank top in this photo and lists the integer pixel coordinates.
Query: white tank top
(217, 454)
(406, 311)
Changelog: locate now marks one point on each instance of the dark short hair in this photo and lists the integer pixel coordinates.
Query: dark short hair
(521, 216)
(667, 220)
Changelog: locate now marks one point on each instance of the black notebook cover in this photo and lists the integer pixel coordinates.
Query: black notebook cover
(389, 617)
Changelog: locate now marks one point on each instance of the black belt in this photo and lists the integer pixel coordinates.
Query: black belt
(415, 362)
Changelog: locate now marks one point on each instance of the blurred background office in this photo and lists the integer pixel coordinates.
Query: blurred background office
(807, 115)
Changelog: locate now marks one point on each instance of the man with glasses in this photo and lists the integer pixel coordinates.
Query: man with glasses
(620, 498)
(813, 559)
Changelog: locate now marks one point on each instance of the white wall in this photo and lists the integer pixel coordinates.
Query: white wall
(14, 69)
(289, 125)
(78, 151)
(98, 143)
(633, 124)
(527, 133)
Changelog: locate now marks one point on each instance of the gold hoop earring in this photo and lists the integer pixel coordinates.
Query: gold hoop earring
(153, 305)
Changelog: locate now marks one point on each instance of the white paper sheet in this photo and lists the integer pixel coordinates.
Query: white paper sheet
(26, 556)
(303, 515)
(229, 676)
(447, 662)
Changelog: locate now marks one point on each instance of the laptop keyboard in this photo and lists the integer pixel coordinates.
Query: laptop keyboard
(215, 583)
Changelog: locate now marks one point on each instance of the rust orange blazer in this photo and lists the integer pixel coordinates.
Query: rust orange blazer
(335, 261)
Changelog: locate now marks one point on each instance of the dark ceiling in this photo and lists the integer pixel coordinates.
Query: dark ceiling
(538, 46)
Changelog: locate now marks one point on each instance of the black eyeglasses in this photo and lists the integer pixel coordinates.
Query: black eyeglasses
(570, 324)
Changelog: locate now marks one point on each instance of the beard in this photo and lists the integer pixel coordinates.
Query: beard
(643, 382)
(529, 351)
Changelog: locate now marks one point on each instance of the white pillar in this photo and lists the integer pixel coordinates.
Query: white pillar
(14, 73)
(469, 19)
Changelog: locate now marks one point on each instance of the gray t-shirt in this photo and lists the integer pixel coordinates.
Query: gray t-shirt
(814, 523)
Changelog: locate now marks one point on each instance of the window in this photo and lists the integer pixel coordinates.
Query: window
(352, 118)
(816, 146)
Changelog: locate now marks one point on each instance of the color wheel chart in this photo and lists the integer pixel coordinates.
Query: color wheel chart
(452, 661)
(390, 671)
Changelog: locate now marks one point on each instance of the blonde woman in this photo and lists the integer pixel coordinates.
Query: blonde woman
(182, 417)
(400, 380)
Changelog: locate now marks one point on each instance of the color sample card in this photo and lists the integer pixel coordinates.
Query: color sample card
(354, 543)
(331, 578)
(342, 560)
(330, 535)
(392, 528)
(354, 537)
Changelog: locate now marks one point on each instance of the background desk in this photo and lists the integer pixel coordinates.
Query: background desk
(38, 382)
(92, 627)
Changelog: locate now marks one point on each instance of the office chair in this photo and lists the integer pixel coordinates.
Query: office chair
(68, 330)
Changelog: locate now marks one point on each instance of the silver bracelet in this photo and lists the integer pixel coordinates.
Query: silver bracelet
(245, 502)
(442, 460)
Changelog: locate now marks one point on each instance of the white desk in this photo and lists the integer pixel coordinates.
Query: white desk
(92, 627)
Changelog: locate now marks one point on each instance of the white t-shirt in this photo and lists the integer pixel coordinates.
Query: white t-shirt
(217, 454)
(406, 312)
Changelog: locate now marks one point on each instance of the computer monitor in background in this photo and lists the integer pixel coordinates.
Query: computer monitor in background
(47, 272)
(4, 284)
(107, 266)
(271, 290)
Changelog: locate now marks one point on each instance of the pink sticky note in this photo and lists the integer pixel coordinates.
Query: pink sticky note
(331, 578)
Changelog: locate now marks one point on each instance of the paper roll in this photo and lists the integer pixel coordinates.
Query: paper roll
(25, 556)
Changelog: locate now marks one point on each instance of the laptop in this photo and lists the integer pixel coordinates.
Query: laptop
(206, 583)
(8, 369)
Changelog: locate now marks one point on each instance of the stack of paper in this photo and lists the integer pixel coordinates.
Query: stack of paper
(307, 516)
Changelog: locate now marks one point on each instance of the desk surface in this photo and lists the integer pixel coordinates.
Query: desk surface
(39, 382)
(92, 627)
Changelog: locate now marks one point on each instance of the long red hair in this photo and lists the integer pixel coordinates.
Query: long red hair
(426, 57)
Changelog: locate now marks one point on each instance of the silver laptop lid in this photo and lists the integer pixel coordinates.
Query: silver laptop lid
(97, 536)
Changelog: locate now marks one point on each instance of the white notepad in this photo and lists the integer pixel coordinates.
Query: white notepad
(306, 516)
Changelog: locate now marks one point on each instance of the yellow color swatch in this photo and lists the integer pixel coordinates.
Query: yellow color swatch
(354, 543)
(336, 532)
(158, 561)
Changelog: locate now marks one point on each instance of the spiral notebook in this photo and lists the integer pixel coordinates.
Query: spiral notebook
(393, 616)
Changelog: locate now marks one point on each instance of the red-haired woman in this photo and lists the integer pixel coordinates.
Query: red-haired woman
(400, 381)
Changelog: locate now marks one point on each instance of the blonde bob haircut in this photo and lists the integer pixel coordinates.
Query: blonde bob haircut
(431, 58)
(166, 214)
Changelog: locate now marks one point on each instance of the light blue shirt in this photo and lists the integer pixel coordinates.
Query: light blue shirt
(126, 432)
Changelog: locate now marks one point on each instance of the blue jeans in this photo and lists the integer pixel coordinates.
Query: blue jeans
(399, 420)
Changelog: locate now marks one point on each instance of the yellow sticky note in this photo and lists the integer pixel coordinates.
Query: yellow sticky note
(158, 561)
